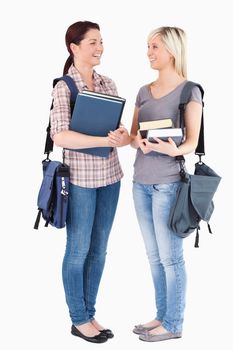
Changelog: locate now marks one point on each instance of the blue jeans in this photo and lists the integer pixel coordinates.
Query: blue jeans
(164, 251)
(90, 216)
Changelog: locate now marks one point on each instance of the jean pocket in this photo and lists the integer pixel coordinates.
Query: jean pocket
(167, 188)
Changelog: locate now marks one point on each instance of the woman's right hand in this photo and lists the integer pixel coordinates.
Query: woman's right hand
(119, 137)
(144, 146)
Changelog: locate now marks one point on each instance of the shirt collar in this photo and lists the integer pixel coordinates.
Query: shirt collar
(77, 76)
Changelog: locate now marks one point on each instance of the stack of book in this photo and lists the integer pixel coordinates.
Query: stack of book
(162, 129)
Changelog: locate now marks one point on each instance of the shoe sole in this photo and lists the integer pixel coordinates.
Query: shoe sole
(158, 338)
(96, 341)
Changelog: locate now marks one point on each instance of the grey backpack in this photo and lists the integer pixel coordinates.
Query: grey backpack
(194, 201)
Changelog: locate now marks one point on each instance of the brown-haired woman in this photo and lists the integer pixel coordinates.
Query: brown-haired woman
(94, 183)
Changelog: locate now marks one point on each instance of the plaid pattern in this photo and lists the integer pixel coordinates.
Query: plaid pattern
(85, 170)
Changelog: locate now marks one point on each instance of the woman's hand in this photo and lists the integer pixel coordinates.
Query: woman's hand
(136, 140)
(144, 145)
(118, 138)
(166, 147)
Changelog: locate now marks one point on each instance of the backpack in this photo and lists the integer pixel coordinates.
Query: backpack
(52, 201)
(194, 200)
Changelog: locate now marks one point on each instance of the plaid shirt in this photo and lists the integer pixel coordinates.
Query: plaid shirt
(85, 170)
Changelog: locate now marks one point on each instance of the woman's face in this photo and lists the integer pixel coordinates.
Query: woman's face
(157, 53)
(90, 49)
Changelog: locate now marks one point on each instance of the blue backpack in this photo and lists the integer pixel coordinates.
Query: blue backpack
(52, 199)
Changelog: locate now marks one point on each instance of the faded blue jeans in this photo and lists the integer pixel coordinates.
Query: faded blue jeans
(91, 213)
(164, 251)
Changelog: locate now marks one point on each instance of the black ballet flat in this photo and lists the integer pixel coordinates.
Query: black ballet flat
(99, 338)
(109, 334)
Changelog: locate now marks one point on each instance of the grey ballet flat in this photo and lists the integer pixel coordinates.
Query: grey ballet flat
(140, 329)
(159, 337)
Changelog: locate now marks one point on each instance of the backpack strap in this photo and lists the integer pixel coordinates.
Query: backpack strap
(72, 87)
(184, 100)
(73, 93)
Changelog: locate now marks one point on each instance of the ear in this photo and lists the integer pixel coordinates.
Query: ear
(172, 59)
(73, 48)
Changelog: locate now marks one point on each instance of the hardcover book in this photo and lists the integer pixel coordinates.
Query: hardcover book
(96, 114)
(154, 124)
(163, 134)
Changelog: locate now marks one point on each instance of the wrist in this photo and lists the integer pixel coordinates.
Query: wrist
(127, 141)
(106, 141)
(177, 153)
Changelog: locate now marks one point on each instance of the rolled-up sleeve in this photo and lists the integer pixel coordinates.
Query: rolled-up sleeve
(60, 114)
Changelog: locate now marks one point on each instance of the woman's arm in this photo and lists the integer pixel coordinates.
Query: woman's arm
(134, 133)
(193, 115)
(75, 140)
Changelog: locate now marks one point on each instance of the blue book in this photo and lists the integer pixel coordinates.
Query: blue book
(96, 114)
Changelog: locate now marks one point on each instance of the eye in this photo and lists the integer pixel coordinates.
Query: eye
(153, 46)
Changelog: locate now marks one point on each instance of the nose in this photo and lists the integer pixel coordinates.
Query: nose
(100, 47)
(149, 52)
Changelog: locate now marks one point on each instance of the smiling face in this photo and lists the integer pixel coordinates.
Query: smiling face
(158, 55)
(89, 51)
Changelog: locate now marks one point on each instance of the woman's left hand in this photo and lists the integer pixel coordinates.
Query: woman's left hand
(166, 147)
(118, 138)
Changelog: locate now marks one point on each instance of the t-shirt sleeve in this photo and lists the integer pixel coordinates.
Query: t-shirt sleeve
(138, 101)
(196, 95)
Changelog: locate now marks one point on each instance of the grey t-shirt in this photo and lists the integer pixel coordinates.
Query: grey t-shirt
(157, 168)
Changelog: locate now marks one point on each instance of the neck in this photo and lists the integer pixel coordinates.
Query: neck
(168, 78)
(85, 71)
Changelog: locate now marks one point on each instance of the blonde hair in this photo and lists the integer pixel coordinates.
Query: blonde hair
(174, 39)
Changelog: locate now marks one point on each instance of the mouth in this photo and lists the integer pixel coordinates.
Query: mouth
(97, 55)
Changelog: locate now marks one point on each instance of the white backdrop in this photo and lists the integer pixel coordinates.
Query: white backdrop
(33, 311)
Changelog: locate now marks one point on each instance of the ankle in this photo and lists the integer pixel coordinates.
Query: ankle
(159, 330)
(153, 323)
(88, 329)
(97, 325)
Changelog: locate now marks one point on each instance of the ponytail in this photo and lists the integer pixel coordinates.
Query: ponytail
(67, 65)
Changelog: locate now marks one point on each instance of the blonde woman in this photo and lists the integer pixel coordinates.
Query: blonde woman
(157, 179)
